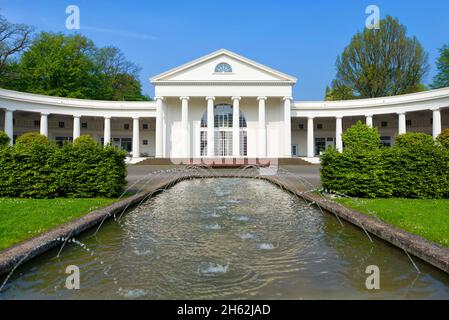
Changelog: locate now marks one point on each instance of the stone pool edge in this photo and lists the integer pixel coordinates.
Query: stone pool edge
(413, 244)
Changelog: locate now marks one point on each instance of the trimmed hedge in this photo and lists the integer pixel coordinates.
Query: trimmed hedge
(416, 167)
(36, 168)
(357, 174)
(418, 173)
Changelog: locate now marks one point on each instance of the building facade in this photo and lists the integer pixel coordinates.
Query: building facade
(222, 106)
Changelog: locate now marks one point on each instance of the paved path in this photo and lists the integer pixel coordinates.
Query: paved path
(310, 173)
(141, 176)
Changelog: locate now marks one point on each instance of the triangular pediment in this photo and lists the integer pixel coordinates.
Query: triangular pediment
(241, 70)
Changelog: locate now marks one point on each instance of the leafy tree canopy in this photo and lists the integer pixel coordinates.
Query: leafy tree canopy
(441, 79)
(339, 92)
(65, 65)
(14, 38)
(379, 63)
(59, 65)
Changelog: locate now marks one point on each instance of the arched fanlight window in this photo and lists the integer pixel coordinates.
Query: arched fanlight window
(223, 68)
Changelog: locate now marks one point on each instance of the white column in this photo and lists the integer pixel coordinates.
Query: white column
(436, 123)
(288, 127)
(159, 128)
(402, 123)
(185, 126)
(136, 137)
(164, 129)
(369, 121)
(338, 133)
(262, 140)
(210, 127)
(76, 127)
(236, 127)
(310, 138)
(107, 131)
(9, 125)
(44, 124)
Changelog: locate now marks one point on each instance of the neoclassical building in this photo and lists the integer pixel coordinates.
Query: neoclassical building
(221, 105)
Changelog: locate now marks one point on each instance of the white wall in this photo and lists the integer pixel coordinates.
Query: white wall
(240, 71)
(248, 106)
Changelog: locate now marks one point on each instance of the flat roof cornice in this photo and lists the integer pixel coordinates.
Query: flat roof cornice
(430, 96)
(24, 97)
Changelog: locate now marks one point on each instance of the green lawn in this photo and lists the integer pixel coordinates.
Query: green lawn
(426, 218)
(22, 219)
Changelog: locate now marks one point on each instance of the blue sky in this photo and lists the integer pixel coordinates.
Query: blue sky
(302, 38)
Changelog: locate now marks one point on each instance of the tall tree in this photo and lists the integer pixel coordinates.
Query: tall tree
(121, 75)
(441, 79)
(14, 38)
(72, 66)
(383, 62)
(339, 92)
(60, 65)
(112, 61)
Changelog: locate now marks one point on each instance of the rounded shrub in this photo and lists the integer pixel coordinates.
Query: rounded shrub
(4, 139)
(31, 168)
(361, 137)
(414, 140)
(30, 139)
(85, 141)
(443, 138)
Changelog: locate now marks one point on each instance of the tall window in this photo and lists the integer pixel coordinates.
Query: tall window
(223, 138)
(203, 143)
(243, 143)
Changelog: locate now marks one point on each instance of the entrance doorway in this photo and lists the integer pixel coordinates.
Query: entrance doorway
(223, 132)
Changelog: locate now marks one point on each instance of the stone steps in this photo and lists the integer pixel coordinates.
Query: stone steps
(226, 162)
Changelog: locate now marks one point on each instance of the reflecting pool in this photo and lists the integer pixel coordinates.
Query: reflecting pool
(226, 239)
